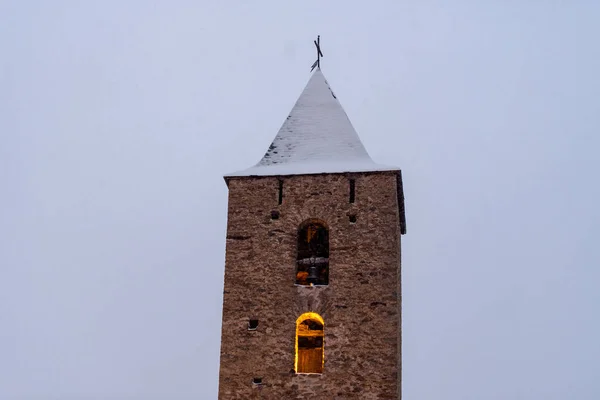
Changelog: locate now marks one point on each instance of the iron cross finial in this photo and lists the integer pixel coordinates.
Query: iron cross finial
(319, 54)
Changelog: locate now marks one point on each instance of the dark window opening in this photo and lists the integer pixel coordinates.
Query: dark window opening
(257, 381)
(352, 219)
(252, 324)
(352, 190)
(309, 342)
(274, 214)
(312, 266)
(280, 191)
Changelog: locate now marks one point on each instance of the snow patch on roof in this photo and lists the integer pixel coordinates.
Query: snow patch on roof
(316, 137)
(313, 167)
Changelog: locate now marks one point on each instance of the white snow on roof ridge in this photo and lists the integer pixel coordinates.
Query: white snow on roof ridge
(316, 137)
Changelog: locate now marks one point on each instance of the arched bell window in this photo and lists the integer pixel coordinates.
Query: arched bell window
(312, 265)
(310, 355)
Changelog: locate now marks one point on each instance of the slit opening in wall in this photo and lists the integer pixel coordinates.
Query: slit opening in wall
(280, 198)
(352, 219)
(352, 190)
(256, 381)
(252, 324)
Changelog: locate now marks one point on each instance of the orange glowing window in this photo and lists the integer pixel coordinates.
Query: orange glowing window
(309, 344)
(312, 265)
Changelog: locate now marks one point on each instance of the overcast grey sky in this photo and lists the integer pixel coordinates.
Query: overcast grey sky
(119, 118)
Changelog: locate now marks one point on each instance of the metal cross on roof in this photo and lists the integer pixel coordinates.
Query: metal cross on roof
(319, 54)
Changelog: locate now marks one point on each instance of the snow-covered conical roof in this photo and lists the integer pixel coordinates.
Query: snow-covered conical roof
(316, 137)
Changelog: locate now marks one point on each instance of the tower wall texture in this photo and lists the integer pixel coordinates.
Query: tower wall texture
(361, 306)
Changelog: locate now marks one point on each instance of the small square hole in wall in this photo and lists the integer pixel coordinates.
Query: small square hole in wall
(274, 214)
(256, 381)
(352, 219)
(252, 324)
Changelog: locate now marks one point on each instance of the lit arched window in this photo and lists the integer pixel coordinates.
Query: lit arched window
(312, 267)
(309, 344)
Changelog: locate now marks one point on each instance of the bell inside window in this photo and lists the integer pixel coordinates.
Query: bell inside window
(312, 264)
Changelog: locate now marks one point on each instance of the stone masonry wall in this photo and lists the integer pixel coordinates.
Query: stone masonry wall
(360, 306)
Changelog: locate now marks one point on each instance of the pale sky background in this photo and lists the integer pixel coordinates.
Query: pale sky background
(119, 118)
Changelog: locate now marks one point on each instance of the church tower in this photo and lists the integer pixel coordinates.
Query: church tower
(312, 296)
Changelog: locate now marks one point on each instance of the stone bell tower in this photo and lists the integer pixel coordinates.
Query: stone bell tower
(312, 297)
